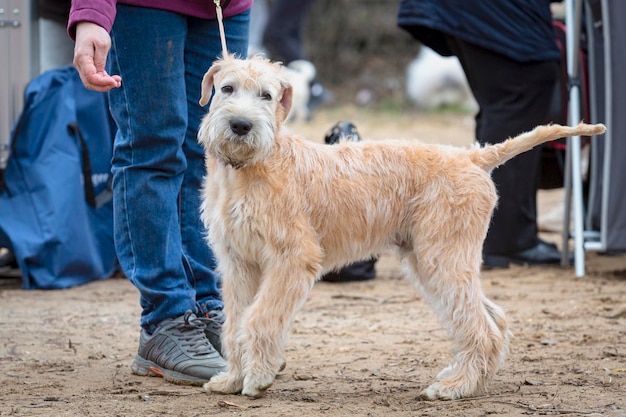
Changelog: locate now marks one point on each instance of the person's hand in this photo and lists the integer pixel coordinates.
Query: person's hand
(90, 53)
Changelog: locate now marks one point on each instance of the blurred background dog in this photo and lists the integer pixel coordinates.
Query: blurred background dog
(435, 81)
(301, 74)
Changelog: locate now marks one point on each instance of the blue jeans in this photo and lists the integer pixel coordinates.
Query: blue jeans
(158, 164)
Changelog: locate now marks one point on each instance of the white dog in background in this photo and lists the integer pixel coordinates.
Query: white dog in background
(301, 74)
(435, 81)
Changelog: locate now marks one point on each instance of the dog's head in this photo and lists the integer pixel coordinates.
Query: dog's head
(250, 100)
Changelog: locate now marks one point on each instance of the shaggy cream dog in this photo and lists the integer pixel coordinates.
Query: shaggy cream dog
(281, 211)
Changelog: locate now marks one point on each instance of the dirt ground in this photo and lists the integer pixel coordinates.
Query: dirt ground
(357, 349)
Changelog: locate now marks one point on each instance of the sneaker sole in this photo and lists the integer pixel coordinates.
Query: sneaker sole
(143, 367)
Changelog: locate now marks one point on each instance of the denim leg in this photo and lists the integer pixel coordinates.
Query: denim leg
(203, 46)
(153, 202)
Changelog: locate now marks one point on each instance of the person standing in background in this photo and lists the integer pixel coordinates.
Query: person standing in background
(509, 55)
(282, 38)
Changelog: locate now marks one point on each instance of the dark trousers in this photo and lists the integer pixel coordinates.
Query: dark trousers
(283, 33)
(514, 97)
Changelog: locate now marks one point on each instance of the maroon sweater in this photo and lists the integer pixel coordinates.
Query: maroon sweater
(102, 12)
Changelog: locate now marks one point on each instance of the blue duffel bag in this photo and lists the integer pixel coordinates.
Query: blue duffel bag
(56, 210)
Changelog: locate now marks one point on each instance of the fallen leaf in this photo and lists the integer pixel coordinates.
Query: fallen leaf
(224, 403)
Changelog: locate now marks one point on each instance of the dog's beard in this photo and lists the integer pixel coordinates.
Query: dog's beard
(236, 152)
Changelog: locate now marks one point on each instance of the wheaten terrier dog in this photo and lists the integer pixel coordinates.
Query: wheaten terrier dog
(281, 211)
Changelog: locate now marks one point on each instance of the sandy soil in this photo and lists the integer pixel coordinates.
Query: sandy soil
(357, 349)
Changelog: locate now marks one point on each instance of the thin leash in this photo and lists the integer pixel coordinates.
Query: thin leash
(220, 22)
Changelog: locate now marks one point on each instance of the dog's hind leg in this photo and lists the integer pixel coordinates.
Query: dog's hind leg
(240, 283)
(476, 326)
(446, 269)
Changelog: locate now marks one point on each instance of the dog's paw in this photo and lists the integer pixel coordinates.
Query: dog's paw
(439, 391)
(224, 383)
(255, 387)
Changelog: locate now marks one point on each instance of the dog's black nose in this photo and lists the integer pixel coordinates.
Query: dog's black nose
(240, 126)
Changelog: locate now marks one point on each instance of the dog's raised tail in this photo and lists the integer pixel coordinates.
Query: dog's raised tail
(491, 156)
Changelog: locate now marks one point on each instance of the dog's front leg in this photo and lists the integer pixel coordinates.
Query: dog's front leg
(267, 322)
(240, 282)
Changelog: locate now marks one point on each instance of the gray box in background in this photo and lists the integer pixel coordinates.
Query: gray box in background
(19, 63)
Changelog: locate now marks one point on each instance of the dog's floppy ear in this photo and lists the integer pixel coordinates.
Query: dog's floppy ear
(287, 97)
(207, 84)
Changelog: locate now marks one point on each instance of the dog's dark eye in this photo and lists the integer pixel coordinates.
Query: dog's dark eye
(266, 96)
(227, 89)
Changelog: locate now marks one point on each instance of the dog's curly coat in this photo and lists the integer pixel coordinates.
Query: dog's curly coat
(281, 211)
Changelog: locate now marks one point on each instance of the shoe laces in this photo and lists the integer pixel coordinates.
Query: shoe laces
(191, 335)
(214, 320)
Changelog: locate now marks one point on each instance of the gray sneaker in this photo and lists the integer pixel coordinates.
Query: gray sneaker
(214, 322)
(179, 351)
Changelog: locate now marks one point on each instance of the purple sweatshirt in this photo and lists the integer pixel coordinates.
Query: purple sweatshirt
(102, 12)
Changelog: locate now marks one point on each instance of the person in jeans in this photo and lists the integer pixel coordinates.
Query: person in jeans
(509, 55)
(151, 57)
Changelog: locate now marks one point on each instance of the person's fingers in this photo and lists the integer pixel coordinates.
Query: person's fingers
(90, 53)
(93, 79)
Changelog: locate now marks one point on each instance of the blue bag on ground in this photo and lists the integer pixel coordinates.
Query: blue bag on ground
(56, 211)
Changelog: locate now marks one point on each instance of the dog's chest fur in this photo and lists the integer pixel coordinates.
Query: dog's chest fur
(231, 207)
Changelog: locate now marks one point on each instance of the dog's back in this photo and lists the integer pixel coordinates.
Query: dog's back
(371, 179)
(360, 187)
